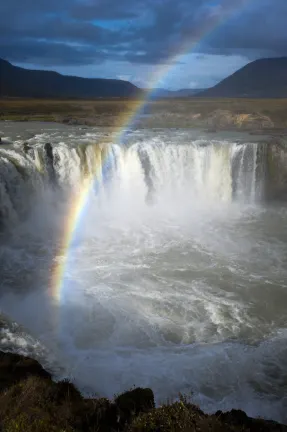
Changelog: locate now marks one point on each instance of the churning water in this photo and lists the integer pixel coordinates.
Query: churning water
(177, 277)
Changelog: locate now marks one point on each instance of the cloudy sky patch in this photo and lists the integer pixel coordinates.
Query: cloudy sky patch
(138, 38)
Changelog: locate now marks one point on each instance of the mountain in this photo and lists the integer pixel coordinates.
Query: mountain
(163, 93)
(19, 82)
(264, 78)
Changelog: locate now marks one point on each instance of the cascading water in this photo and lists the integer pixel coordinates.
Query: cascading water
(211, 171)
(177, 279)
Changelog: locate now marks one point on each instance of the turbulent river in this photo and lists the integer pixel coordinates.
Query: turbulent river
(176, 277)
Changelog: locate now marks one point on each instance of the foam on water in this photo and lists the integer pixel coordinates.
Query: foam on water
(177, 280)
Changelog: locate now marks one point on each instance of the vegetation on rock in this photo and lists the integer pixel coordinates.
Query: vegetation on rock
(30, 401)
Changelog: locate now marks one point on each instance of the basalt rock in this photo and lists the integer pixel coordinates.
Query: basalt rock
(26, 147)
(50, 157)
(276, 169)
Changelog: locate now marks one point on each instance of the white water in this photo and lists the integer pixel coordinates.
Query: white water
(199, 169)
(176, 280)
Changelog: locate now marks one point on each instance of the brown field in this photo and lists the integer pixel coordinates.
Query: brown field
(183, 112)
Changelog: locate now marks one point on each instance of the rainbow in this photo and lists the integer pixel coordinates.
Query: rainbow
(79, 203)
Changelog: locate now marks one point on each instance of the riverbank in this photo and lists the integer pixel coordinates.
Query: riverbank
(31, 401)
(253, 115)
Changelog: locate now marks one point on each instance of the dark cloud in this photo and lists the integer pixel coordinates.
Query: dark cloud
(108, 10)
(50, 53)
(75, 32)
(256, 31)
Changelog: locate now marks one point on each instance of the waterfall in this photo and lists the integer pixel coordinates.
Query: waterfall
(246, 179)
(147, 170)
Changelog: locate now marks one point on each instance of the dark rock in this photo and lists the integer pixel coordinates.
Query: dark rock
(49, 150)
(14, 367)
(240, 419)
(236, 417)
(276, 170)
(67, 391)
(50, 156)
(134, 402)
(113, 416)
(100, 412)
(72, 121)
(32, 401)
(26, 147)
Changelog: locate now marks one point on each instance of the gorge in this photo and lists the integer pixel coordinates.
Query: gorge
(175, 270)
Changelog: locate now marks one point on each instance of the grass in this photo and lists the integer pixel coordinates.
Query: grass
(59, 110)
(31, 402)
(110, 112)
(40, 405)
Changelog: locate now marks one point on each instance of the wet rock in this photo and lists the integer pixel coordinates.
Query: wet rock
(50, 157)
(26, 147)
(276, 169)
(49, 150)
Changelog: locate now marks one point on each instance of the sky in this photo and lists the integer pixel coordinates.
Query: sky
(183, 43)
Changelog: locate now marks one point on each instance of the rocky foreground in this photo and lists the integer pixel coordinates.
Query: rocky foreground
(31, 401)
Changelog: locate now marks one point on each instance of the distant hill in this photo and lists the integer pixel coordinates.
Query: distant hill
(163, 93)
(264, 78)
(19, 82)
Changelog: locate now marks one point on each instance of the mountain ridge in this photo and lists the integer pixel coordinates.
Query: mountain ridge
(124, 89)
(19, 82)
(262, 78)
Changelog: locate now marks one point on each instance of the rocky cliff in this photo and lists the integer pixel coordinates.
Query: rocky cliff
(276, 169)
